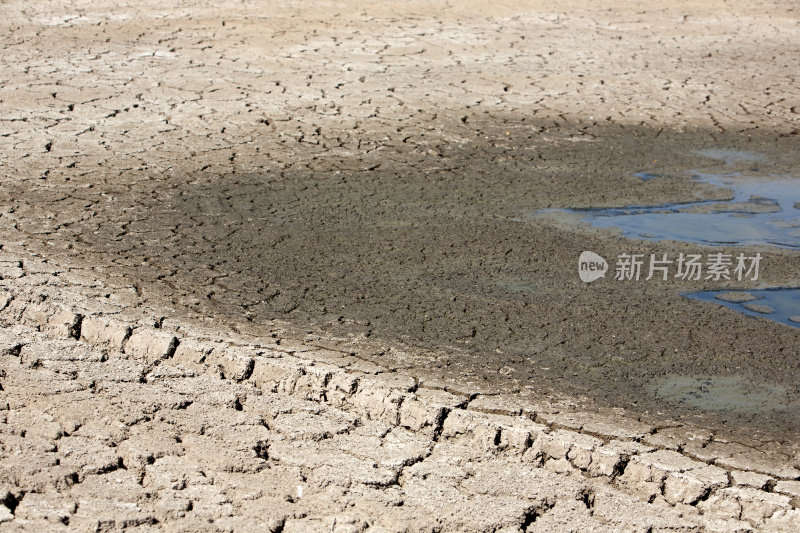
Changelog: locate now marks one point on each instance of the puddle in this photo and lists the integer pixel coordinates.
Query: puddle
(721, 393)
(759, 211)
(780, 305)
(647, 176)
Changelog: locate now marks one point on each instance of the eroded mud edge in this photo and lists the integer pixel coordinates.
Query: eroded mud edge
(670, 464)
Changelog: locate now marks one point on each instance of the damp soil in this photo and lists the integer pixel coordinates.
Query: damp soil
(430, 257)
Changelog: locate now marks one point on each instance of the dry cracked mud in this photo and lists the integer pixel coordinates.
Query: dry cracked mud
(280, 266)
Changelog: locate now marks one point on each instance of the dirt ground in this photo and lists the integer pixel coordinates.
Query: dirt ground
(366, 180)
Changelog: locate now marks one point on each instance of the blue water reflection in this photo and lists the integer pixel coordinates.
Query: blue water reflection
(759, 211)
(779, 305)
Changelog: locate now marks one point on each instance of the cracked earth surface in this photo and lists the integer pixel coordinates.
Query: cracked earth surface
(274, 267)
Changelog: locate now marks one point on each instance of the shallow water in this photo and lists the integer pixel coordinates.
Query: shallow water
(647, 176)
(721, 393)
(780, 305)
(761, 210)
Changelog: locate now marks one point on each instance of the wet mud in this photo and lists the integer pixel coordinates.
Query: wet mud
(436, 253)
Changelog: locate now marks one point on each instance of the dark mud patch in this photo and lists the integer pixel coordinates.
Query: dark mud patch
(425, 249)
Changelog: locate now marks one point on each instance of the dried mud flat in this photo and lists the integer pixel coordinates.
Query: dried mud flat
(277, 267)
